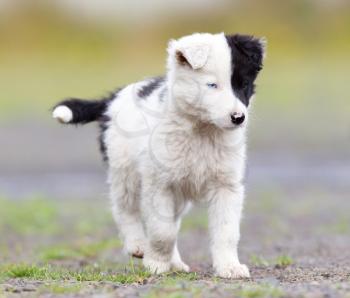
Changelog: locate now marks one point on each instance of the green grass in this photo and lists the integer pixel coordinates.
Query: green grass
(260, 291)
(28, 217)
(62, 230)
(340, 227)
(89, 273)
(177, 288)
(283, 261)
(183, 288)
(92, 218)
(55, 273)
(59, 253)
(259, 261)
(61, 289)
(80, 251)
(42, 216)
(174, 277)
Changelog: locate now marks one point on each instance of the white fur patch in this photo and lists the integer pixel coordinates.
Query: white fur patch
(62, 114)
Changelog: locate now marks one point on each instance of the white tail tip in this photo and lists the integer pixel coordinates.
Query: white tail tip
(62, 114)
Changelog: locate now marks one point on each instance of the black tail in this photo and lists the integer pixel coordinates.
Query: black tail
(74, 111)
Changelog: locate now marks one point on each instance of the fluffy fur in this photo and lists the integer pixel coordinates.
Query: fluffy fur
(178, 140)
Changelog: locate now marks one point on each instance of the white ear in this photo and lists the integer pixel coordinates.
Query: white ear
(194, 55)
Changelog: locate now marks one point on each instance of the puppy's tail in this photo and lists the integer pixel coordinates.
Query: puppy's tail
(79, 111)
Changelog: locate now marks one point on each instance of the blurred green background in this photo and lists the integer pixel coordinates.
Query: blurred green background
(61, 48)
(53, 195)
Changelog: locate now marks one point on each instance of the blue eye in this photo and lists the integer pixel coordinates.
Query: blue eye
(212, 85)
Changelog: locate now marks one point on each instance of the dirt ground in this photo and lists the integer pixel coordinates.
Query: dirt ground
(296, 243)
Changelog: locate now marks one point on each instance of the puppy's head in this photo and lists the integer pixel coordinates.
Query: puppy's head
(212, 76)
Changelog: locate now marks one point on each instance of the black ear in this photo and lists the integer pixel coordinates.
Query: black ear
(251, 47)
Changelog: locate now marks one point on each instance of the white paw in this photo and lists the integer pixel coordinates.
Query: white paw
(156, 267)
(62, 114)
(180, 266)
(135, 248)
(234, 271)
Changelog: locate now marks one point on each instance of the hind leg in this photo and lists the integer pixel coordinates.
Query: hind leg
(124, 194)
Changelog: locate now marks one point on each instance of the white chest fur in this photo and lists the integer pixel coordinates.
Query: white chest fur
(195, 158)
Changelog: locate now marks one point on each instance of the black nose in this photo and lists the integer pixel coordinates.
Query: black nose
(237, 118)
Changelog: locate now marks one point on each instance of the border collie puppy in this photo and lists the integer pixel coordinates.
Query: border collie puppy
(176, 140)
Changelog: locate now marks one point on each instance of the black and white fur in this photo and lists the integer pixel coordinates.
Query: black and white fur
(176, 140)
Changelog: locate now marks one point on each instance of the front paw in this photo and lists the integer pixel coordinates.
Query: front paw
(135, 248)
(180, 266)
(155, 266)
(236, 271)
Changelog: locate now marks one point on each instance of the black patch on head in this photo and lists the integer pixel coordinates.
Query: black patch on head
(152, 85)
(247, 57)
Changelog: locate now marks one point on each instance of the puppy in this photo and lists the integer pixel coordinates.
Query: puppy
(176, 140)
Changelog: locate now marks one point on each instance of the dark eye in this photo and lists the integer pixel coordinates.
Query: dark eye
(212, 85)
